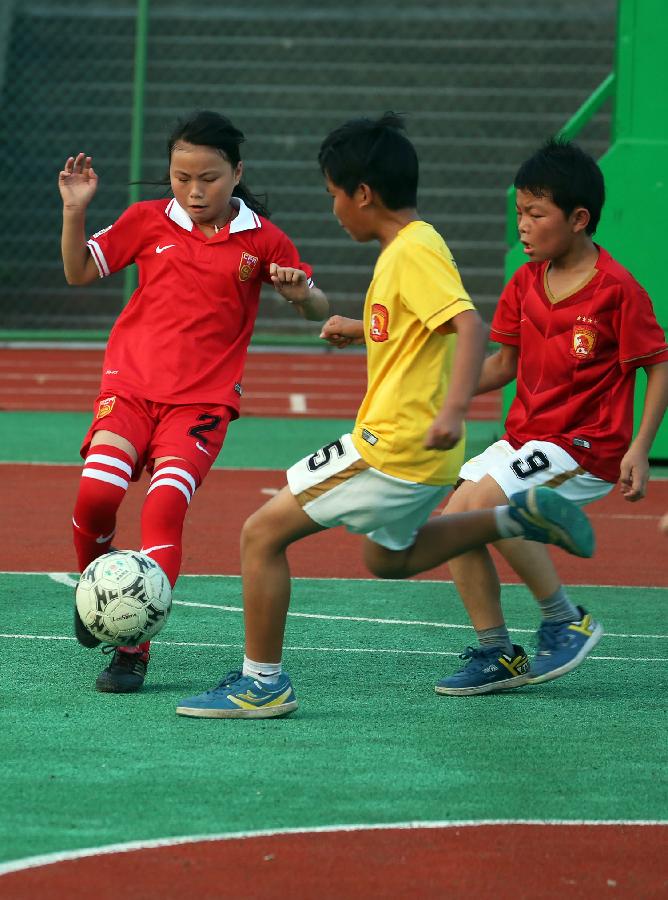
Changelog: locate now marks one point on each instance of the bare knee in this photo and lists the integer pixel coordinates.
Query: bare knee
(471, 495)
(384, 563)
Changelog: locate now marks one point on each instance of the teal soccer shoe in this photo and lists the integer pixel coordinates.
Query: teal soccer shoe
(562, 646)
(488, 669)
(549, 518)
(241, 697)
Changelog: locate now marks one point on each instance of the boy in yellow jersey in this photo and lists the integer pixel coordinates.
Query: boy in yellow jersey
(425, 345)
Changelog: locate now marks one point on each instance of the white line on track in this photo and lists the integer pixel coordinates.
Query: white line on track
(297, 401)
(32, 862)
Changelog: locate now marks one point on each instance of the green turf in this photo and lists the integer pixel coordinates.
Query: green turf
(250, 443)
(371, 741)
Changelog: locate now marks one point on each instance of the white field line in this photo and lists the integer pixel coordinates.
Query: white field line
(32, 862)
(64, 578)
(391, 651)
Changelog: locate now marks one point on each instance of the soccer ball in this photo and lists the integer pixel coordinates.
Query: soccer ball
(123, 598)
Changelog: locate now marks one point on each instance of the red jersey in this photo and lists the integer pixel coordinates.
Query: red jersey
(184, 335)
(577, 361)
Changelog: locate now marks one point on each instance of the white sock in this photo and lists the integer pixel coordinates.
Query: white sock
(508, 527)
(267, 673)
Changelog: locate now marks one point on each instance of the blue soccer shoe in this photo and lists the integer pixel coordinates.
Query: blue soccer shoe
(242, 697)
(549, 518)
(562, 646)
(488, 669)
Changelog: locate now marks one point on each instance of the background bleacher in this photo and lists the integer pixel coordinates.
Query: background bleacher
(481, 84)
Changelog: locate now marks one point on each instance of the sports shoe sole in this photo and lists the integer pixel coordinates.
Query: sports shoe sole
(566, 524)
(263, 712)
(585, 650)
(490, 688)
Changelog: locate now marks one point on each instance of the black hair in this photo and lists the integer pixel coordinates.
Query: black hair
(210, 129)
(373, 152)
(568, 175)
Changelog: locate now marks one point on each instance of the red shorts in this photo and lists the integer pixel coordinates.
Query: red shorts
(194, 432)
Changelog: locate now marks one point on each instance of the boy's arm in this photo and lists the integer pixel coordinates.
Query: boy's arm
(447, 428)
(310, 302)
(498, 369)
(342, 331)
(634, 468)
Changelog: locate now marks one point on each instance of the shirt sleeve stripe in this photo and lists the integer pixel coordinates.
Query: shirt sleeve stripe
(98, 257)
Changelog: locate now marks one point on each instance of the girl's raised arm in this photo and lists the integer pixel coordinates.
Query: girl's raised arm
(77, 183)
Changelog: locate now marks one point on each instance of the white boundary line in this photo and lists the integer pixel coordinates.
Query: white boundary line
(395, 582)
(305, 649)
(32, 862)
(67, 580)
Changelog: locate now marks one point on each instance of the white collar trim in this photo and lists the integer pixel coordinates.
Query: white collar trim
(245, 220)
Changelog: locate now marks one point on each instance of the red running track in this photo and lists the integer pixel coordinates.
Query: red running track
(321, 384)
(36, 535)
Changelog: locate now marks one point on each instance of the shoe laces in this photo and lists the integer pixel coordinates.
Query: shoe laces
(552, 635)
(479, 652)
(230, 679)
(123, 660)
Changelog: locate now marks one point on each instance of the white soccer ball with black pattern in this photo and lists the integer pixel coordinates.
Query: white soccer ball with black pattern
(124, 598)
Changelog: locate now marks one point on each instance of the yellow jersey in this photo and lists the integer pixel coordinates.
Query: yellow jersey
(415, 291)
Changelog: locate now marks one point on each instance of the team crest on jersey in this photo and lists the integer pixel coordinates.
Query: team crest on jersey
(585, 335)
(104, 407)
(246, 266)
(380, 323)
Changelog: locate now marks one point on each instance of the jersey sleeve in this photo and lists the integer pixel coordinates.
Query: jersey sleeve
(508, 313)
(431, 287)
(282, 251)
(115, 247)
(642, 341)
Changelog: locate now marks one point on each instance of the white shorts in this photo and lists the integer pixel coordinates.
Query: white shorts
(335, 486)
(536, 463)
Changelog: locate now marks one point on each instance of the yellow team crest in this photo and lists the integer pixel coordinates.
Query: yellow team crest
(380, 321)
(104, 407)
(584, 338)
(246, 266)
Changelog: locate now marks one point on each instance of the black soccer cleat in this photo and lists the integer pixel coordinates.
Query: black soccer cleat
(125, 673)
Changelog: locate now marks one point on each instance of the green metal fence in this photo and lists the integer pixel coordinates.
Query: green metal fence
(481, 83)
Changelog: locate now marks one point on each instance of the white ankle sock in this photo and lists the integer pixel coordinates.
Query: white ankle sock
(267, 673)
(508, 527)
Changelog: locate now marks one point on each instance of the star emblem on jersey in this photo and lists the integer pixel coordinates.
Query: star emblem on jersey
(160, 249)
(584, 337)
(247, 264)
(380, 321)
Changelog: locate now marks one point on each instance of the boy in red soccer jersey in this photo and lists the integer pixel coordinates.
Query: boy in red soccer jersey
(174, 361)
(385, 478)
(573, 326)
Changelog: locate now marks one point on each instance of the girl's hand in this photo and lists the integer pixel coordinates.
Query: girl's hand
(342, 331)
(77, 181)
(290, 283)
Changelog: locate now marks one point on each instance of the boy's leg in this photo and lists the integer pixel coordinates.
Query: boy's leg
(265, 572)
(265, 537)
(567, 633)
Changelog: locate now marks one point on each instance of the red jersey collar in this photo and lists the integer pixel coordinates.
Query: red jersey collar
(245, 220)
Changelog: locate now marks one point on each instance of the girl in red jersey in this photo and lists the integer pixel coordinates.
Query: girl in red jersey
(174, 361)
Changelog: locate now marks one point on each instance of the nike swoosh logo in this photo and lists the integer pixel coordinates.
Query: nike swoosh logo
(103, 538)
(203, 449)
(160, 249)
